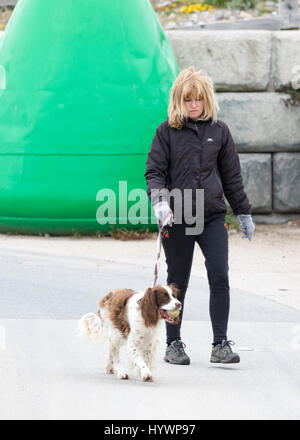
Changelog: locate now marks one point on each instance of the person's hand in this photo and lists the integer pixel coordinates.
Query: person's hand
(162, 210)
(246, 225)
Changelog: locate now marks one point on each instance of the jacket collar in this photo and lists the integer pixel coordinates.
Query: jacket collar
(190, 123)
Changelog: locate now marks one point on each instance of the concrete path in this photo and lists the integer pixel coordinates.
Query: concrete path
(48, 372)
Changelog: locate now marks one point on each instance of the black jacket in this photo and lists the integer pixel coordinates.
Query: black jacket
(200, 155)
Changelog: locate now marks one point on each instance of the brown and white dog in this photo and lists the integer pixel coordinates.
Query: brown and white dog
(132, 317)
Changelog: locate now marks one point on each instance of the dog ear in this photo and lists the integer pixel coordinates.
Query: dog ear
(149, 307)
(175, 290)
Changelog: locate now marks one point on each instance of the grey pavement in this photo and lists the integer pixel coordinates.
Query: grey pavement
(48, 372)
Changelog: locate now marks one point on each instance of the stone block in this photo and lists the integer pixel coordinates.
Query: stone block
(257, 179)
(235, 60)
(261, 122)
(286, 58)
(286, 186)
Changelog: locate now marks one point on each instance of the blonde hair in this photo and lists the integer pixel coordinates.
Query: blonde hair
(191, 84)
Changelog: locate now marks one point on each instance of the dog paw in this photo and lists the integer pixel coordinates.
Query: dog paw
(110, 370)
(148, 378)
(123, 376)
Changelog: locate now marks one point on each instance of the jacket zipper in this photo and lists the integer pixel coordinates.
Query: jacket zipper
(197, 129)
(200, 183)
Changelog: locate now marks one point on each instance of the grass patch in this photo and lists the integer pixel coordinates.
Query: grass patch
(126, 234)
(294, 99)
(243, 5)
(232, 221)
(189, 6)
(115, 233)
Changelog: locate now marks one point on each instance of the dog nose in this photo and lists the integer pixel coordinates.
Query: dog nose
(178, 305)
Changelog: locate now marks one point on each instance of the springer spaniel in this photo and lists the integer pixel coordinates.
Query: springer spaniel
(133, 317)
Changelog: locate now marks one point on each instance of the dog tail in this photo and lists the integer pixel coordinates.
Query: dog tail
(90, 325)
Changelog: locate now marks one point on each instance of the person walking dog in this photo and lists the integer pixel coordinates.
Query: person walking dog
(193, 150)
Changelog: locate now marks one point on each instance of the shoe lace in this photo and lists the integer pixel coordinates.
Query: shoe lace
(226, 344)
(180, 346)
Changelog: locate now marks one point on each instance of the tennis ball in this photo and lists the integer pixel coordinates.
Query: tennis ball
(173, 313)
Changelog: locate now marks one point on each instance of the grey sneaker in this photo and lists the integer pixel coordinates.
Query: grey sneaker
(222, 353)
(175, 353)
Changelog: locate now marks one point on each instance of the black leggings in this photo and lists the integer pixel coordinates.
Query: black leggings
(179, 250)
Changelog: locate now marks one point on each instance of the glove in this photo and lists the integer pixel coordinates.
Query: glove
(162, 210)
(246, 225)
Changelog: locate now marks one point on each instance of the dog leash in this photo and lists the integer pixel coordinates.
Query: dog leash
(160, 229)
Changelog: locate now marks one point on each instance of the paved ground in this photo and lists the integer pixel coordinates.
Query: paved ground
(47, 371)
(268, 266)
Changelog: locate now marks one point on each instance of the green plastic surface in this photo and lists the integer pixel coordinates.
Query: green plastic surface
(83, 86)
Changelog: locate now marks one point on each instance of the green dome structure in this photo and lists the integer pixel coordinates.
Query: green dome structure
(83, 85)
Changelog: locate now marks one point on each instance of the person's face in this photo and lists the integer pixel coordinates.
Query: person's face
(194, 107)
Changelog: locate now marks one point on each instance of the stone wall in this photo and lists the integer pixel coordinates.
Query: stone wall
(253, 72)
